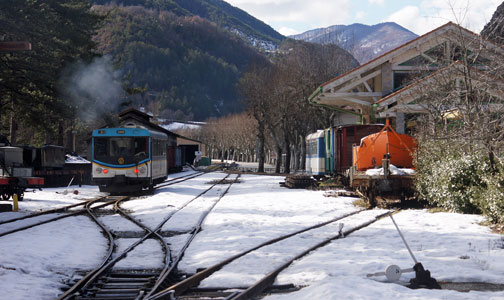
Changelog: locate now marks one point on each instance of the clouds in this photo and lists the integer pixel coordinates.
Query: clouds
(430, 14)
(296, 16)
(360, 15)
(420, 16)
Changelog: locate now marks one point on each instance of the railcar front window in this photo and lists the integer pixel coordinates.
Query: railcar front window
(121, 150)
(100, 148)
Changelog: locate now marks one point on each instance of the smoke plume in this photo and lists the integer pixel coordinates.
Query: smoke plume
(94, 88)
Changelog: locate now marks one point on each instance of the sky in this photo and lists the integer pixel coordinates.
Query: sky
(419, 16)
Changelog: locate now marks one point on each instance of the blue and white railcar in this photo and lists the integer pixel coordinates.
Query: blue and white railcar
(315, 153)
(128, 159)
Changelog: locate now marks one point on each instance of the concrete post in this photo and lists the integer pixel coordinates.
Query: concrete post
(400, 127)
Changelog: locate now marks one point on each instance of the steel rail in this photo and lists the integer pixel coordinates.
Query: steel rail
(258, 287)
(84, 282)
(184, 178)
(57, 218)
(177, 180)
(45, 212)
(194, 231)
(181, 177)
(92, 276)
(194, 280)
(166, 250)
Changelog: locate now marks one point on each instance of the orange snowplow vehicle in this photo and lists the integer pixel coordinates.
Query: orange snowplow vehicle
(398, 148)
(383, 165)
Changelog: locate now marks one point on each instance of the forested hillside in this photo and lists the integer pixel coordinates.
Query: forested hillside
(182, 59)
(188, 65)
(216, 11)
(494, 30)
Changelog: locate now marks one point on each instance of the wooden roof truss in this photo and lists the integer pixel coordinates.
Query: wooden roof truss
(366, 85)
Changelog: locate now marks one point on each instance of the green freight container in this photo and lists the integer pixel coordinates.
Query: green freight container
(205, 161)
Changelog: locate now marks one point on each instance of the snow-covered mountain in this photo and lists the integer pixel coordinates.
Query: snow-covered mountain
(364, 42)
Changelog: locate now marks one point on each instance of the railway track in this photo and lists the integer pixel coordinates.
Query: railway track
(106, 201)
(179, 179)
(66, 209)
(50, 211)
(105, 283)
(185, 289)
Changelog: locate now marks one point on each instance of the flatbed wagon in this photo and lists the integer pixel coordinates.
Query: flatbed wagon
(17, 185)
(15, 176)
(385, 185)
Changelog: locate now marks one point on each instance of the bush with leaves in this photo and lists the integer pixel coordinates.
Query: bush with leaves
(491, 199)
(450, 177)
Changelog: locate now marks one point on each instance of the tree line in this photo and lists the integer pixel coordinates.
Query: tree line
(278, 115)
(460, 159)
(186, 63)
(89, 62)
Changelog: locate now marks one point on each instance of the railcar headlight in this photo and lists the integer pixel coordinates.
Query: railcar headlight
(99, 170)
(142, 170)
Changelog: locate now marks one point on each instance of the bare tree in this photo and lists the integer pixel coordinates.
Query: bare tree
(464, 102)
(254, 87)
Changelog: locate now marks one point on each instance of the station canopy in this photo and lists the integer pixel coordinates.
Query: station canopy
(390, 83)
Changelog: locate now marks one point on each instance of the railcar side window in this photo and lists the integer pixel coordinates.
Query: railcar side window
(141, 151)
(312, 148)
(158, 148)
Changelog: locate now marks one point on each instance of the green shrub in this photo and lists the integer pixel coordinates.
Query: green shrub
(450, 178)
(491, 201)
(460, 180)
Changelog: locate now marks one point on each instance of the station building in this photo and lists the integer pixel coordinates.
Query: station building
(396, 84)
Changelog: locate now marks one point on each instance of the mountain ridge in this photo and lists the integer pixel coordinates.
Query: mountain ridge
(188, 58)
(364, 42)
(219, 12)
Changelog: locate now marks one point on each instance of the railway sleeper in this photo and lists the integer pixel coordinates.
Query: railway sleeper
(224, 293)
(206, 296)
(129, 234)
(279, 288)
(173, 233)
(105, 291)
(108, 297)
(127, 280)
(121, 286)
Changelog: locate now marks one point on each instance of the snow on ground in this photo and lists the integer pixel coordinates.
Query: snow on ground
(453, 247)
(152, 210)
(254, 211)
(42, 257)
(147, 255)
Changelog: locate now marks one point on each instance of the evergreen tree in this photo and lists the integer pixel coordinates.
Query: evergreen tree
(60, 33)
